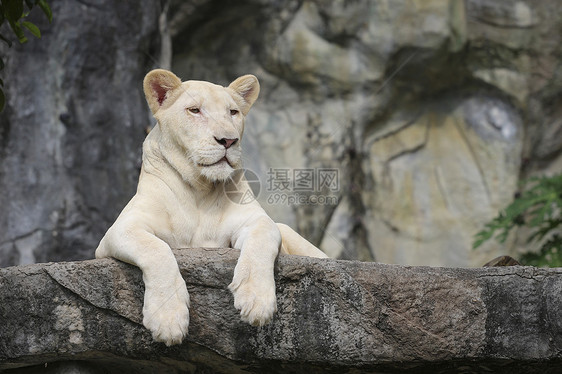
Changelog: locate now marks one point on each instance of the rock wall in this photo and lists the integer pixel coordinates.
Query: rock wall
(386, 131)
(74, 122)
(333, 316)
(430, 111)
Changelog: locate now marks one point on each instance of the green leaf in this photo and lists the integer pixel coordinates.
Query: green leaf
(32, 28)
(13, 9)
(539, 209)
(46, 9)
(547, 227)
(550, 254)
(16, 28)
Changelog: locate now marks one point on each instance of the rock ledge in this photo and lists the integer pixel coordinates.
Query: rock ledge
(333, 316)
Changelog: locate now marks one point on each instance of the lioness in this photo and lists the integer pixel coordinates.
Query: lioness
(188, 158)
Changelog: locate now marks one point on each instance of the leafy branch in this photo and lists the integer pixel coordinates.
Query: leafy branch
(15, 13)
(538, 207)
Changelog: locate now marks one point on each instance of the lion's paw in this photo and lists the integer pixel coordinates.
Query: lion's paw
(254, 298)
(166, 314)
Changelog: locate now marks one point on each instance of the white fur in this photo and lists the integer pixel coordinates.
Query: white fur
(180, 203)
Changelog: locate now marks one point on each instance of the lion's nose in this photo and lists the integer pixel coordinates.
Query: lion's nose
(226, 142)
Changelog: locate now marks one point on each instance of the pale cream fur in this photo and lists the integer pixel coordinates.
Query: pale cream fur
(180, 203)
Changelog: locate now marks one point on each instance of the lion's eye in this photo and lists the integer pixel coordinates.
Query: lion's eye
(194, 110)
(233, 112)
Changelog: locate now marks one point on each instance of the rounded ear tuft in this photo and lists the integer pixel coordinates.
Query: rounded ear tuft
(157, 86)
(248, 88)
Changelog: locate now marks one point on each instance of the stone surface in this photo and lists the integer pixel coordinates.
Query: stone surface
(334, 316)
(71, 133)
(448, 152)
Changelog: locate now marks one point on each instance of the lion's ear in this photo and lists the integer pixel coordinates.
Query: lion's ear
(248, 88)
(158, 84)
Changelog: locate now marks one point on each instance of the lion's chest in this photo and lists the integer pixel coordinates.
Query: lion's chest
(199, 229)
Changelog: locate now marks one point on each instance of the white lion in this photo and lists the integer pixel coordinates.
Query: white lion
(188, 159)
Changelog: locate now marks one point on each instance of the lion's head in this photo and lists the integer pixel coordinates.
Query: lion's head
(201, 123)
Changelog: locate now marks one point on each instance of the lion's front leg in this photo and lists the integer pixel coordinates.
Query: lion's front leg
(166, 300)
(253, 284)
